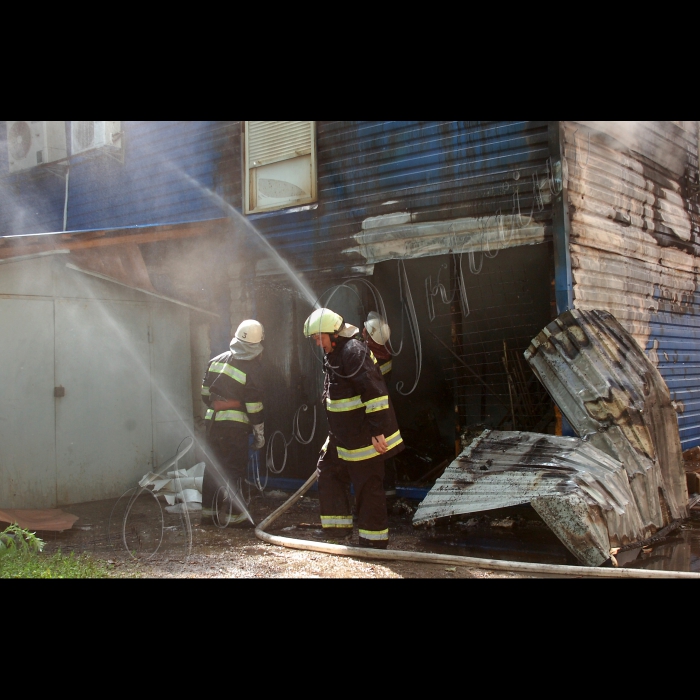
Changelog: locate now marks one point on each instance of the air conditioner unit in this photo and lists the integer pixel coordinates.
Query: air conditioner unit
(87, 136)
(34, 143)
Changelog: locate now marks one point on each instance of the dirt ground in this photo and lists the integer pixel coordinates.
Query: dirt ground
(150, 543)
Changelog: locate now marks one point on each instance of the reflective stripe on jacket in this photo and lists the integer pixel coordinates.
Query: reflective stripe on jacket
(357, 402)
(234, 380)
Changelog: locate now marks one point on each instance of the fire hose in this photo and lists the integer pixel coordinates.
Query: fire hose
(557, 570)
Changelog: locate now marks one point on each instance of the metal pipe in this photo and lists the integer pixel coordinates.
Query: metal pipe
(441, 559)
(65, 203)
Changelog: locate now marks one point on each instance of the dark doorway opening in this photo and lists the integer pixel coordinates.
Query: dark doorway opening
(475, 319)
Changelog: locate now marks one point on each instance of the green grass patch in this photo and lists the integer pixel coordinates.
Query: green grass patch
(21, 556)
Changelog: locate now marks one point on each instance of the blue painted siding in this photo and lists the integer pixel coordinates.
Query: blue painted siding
(435, 170)
(164, 162)
(674, 341)
(168, 166)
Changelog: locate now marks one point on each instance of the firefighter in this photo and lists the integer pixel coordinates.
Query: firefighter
(376, 333)
(362, 433)
(232, 391)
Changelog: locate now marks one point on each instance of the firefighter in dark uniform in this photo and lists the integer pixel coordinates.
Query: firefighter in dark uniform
(362, 433)
(376, 334)
(232, 390)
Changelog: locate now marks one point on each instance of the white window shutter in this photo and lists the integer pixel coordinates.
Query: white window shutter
(280, 165)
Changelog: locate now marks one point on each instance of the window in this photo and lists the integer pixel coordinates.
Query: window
(279, 165)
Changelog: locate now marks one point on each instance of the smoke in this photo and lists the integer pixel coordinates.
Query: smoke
(665, 143)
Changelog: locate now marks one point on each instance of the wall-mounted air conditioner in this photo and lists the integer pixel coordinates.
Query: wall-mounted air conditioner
(34, 143)
(87, 136)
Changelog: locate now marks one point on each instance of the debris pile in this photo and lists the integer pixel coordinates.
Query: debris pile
(615, 398)
(619, 483)
(182, 488)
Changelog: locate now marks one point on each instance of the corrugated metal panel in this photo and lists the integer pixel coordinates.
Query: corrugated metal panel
(619, 483)
(435, 171)
(168, 168)
(582, 493)
(432, 171)
(635, 241)
(615, 398)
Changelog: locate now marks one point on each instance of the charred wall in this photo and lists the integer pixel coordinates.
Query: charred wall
(634, 242)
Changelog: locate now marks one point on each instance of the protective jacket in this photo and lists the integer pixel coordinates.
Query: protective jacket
(235, 375)
(384, 358)
(357, 403)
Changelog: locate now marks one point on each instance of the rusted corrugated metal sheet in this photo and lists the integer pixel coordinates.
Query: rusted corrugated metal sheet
(582, 493)
(615, 398)
(635, 240)
(620, 482)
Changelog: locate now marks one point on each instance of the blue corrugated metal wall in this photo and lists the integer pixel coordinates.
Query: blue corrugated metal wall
(163, 163)
(436, 170)
(168, 166)
(674, 330)
(674, 341)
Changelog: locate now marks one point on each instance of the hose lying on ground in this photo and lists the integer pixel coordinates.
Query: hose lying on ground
(427, 558)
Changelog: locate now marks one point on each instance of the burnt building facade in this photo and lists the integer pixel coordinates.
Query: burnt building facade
(470, 236)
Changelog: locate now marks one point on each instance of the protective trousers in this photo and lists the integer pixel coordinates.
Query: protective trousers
(390, 477)
(367, 479)
(226, 466)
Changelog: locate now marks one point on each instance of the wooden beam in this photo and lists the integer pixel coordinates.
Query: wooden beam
(72, 241)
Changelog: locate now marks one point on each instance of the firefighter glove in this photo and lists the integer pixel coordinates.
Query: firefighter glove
(258, 436)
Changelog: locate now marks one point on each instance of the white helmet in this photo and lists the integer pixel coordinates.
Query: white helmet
(250, 332)
(327, 321)
(377, 328)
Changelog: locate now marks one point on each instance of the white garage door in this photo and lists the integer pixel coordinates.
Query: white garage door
(104, 436)
(27, 434)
